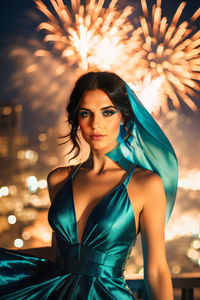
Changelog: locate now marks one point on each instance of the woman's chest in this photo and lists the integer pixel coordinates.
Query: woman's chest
(88, 191)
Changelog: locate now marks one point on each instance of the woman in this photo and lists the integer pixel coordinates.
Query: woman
(127, 185)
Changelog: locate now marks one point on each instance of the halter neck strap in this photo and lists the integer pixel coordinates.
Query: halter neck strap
(75, 170)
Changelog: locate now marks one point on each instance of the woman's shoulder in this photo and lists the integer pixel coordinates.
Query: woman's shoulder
(58, 174)
(56, 178)
(146, 178)
(144, 185)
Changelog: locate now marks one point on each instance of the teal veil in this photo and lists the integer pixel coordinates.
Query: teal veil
(149, 148)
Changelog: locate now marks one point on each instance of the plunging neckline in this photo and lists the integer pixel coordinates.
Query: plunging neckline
(96, 205)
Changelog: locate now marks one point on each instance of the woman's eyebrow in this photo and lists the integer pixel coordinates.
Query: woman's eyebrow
(103, 108)
(107, 107)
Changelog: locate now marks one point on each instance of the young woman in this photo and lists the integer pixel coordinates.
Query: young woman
(126, 186)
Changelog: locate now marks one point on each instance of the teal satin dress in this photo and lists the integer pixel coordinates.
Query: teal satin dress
(92, 269)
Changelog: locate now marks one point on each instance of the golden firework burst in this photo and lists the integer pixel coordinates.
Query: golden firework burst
(171, 53)
(164, 57)
(89, 35)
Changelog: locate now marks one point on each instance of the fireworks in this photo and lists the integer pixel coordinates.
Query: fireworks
(92, 36)
(150, 92)
(88, 36)
(171, 53)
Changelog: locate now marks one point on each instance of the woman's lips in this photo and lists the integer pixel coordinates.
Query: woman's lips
(97, 137)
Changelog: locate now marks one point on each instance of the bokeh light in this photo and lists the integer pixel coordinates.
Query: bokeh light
(18, 243)
(12, 219)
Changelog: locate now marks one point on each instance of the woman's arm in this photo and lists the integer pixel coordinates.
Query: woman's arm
(152, 223)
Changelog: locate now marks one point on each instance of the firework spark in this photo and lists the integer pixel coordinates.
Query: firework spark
(171, 53)
(88, 35)
(150, 92)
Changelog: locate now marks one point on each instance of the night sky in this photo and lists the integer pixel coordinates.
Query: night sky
(13, 13)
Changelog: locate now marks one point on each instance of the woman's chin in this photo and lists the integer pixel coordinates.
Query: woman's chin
(102, 147)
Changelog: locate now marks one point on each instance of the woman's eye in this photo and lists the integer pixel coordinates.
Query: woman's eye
(105, 113)
(83, 114)
(109, 112)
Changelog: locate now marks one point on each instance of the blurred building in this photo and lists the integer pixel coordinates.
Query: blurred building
(20, 202)
(11, 139)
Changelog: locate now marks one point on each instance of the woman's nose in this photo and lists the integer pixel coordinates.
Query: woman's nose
(96, 122)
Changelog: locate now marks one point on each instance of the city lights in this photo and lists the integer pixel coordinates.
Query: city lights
(18, 243)
(32, 183)
(7, 110)
(4, 191)
(26, 235)
(42, 184)
(28, 155)
(12, 189)
(12, 219)
(176, 269)
(42, 137)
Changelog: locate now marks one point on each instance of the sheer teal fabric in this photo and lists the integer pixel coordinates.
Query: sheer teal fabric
(90, 270)
(149, 148)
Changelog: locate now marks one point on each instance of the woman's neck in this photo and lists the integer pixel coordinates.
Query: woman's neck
(98, 162)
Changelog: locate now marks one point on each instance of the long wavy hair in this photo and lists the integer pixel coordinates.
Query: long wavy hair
(113, 86)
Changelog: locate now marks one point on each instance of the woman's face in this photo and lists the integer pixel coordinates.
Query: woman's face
(99, 120)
